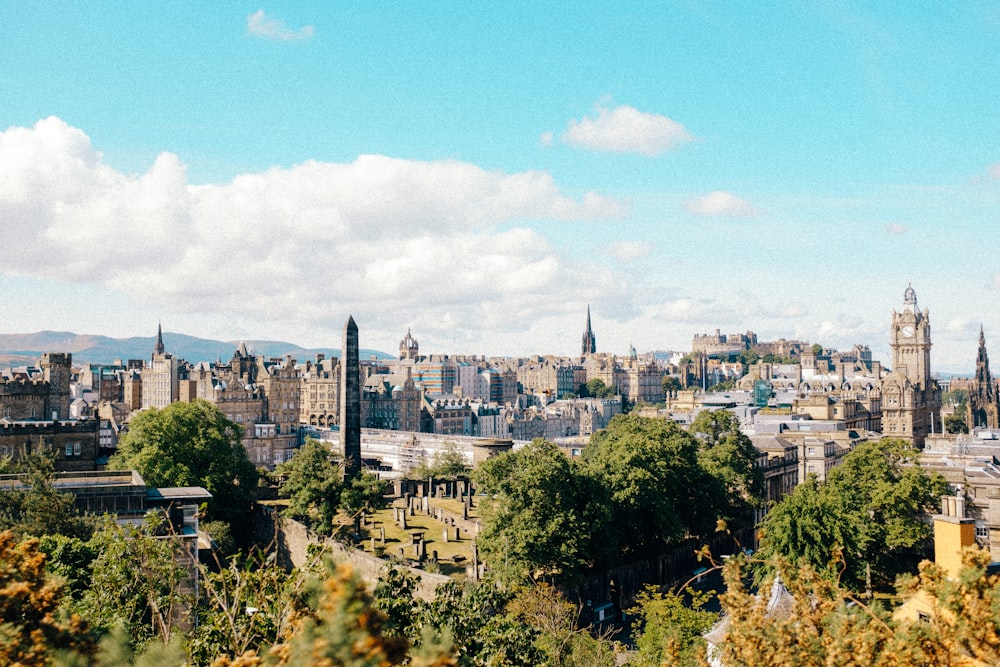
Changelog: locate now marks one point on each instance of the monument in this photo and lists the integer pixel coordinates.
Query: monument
(350, 402)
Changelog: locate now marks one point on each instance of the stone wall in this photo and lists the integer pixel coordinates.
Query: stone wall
(292, 540)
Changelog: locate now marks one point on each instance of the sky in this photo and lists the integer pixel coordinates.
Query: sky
(481, 173)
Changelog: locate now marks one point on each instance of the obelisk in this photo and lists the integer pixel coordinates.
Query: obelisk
(350, 402)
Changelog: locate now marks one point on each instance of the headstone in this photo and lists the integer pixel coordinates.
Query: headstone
(446, 533)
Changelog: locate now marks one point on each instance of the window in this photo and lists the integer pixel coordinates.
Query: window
(77, 449)
(69, 449)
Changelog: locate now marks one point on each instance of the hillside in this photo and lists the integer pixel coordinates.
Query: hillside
(16, 349)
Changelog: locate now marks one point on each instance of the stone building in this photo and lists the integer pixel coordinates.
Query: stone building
(41, 393)
(911, 398)
(161, 378)
(73, 446)
(319, 397)
(391, 403)
(983, 408)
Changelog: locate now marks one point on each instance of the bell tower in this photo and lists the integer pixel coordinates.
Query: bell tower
(911, 398)
(910, 340)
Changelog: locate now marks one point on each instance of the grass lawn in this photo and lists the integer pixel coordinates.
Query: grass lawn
(453, 555)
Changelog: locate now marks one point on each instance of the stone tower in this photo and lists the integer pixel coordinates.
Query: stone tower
(408, 347)
(984, 406)
(350, 402)
(911, 398)
(57, 371)
(589, 341)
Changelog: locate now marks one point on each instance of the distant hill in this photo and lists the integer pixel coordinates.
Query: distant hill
(18, 349)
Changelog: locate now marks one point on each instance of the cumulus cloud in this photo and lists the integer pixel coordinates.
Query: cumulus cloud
(995, 281)
(721, 203)
(896, 229)
(993, 171)
(388, 238)
(261, 25)
(628, 251)
(626, 130)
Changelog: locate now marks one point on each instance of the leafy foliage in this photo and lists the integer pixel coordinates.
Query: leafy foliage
(39, 508)
(658, 490)
(669, 627)
(537, 518)
(31, 631)
(869, 514)
(192, 444)
(312, 485)
(448, 463)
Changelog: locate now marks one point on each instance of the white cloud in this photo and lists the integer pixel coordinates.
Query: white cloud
(896, 229)
(995, 281)
(626, 130)
(261, 25)
(993, 171)
(628, 251)
(386, 239)
(721, 203)
(546, 139)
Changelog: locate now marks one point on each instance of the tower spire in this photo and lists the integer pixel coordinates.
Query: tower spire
(158, 348)
(589, 340)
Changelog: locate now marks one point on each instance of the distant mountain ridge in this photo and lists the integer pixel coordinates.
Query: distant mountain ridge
(93, 349)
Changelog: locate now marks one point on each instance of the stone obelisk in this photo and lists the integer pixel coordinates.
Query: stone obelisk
(350, 402)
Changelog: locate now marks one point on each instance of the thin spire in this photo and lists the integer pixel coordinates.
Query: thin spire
(158, 348)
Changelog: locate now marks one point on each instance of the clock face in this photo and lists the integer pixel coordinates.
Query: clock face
(907, 332)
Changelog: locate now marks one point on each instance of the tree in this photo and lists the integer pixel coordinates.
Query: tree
(817, 349)
(658, 491)
(596, 388)
(537, 522)
(37, 508)
(448, 463)
(730, 457)
(868, 516)
(31, 629)
(192, 444)
(955, 424)
(559, 636)
(137, 582)
(668, 627)
(312, 483)
(341, 628)
(671, 385)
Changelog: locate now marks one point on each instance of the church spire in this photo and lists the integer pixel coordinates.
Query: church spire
(158, 348)
(589, 340)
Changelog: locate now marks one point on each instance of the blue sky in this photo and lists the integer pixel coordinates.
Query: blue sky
(481, 175)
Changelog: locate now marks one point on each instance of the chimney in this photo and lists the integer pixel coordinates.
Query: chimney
(952, 533)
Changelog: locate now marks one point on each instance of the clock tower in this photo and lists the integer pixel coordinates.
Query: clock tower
(911, 398)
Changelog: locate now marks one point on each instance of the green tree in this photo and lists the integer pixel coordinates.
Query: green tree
(955, 423)
(448, 463)
(537, 519)
(671, 385)
(870, 516)
(312, 483)
(35, 507)
(137, 582)
(365, 493)
(597, 389)
(817, 349)
(32, 630)
(658, 491)
(559, 636)
(193, 444)
(668, 627)
(473, 615)
(730, 457)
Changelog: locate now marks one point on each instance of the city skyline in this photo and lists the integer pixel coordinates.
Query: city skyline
(263, 172)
